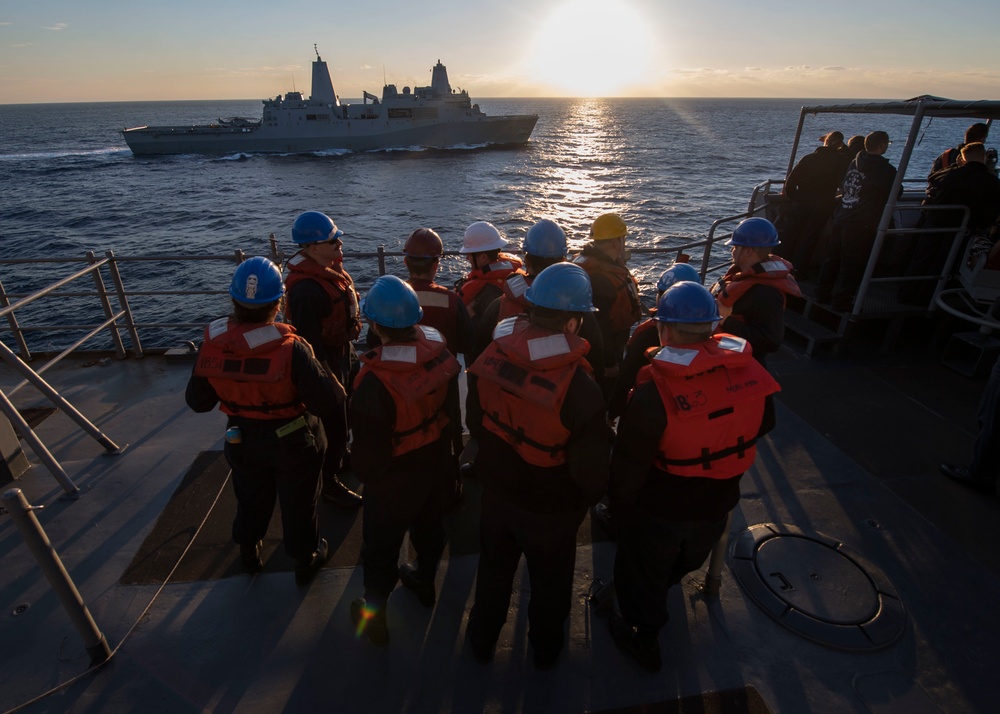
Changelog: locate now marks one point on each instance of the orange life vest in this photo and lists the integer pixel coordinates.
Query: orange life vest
(523, 378)
(493, 274)
(249, 366)
(625, 310)
(343, 324)
(440, 307)
(416, 375)
(644, 326)
(774, 271)
(714, 394)
(513, 302)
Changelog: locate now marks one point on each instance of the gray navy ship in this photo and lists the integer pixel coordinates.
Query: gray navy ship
(434, 116)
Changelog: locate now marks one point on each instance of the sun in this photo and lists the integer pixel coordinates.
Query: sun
(591, 48)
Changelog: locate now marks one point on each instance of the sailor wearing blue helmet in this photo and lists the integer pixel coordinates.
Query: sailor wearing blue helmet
(684, 441)
(275, 443)
(401, 450)
(752, 294)
(323, 306)
(543, 454)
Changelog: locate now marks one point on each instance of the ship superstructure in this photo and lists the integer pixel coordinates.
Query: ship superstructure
(433, 116)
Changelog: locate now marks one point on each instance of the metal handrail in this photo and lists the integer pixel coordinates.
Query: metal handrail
(125, 319)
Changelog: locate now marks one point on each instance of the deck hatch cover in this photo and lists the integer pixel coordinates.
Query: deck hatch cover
(818, 588)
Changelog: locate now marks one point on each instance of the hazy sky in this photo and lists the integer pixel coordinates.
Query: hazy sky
(106, 50)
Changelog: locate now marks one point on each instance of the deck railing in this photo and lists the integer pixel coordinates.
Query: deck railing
(123, 324)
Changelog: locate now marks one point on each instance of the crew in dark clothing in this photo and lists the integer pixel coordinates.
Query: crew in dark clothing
(482, 243)
(855, 145)
(544, 245)
(444, 311)
(401, 451)
(751, 295)
(977, 133)
(266, 379)
(323, 307)
(684, 442)
(811, 190)
(865, 191)
(644, 338)
(969, 183)
(543, 459)
(616, 293)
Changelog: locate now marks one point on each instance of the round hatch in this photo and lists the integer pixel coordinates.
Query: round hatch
(817, 588)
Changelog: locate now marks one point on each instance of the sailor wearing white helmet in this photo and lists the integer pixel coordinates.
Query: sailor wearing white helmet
(482, 244)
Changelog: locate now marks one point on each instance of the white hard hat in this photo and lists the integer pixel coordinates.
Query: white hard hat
(480, 237)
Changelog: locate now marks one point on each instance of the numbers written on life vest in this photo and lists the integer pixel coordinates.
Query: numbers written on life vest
(691, 400)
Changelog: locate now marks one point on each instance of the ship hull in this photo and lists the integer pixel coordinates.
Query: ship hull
(351, 135)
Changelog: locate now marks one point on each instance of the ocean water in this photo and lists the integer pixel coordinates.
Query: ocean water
(69, 184)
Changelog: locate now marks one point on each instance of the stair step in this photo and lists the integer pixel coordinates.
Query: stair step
(813, 331)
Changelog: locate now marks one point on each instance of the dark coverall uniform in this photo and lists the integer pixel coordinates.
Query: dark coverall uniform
(668, 519)
(616, 297)
(405, 487)
(277, 457)
(758, 301)
(310, 309)
(532, 509)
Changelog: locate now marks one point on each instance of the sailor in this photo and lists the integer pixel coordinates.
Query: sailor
(323, 306)
(265, 378)
(644, 338)
(616, 293)
(752, 293)
(481, 244)
(687, 436)
(542, 457)
(978, 132)
(444, 311)
(401, 450)
(544, 245)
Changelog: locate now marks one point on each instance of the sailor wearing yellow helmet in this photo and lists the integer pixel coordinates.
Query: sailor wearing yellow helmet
(616, 293)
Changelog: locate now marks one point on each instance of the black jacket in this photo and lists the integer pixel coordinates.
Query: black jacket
(815, 179)
(972, 185)
(865, 190)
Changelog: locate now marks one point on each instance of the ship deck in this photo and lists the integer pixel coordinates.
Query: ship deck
(854, 457)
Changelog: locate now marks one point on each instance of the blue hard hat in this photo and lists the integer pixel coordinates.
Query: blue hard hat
(755, 233)
(314, 227)
(563, 286)
(392, 303)
(257, 281)
(687, 302)
(545, 239)
(676, 273)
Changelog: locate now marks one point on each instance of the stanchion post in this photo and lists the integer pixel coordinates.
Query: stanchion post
(48, 560)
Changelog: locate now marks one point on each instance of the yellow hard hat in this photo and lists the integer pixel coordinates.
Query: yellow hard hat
(608, 227)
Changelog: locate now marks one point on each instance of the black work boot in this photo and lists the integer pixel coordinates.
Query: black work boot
(305, 570)
(335, 492)
(250, 556)
(645, 650)
(370, 621)
(420, 584)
